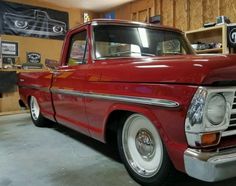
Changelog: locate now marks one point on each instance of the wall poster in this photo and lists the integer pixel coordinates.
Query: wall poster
(9, 48)
(231, 35)
(86, 17)
(110, 15)
(33, 57)
(27, 20)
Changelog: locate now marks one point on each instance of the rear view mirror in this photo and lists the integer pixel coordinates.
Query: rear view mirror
(51, 64)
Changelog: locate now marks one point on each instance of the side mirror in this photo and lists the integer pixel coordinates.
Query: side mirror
(51, 64)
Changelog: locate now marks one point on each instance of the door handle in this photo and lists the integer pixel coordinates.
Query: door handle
(56, 73)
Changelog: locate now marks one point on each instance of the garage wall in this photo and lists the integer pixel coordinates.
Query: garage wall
(183, 14)
(48, 48)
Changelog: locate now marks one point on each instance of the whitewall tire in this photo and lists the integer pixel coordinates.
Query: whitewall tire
(35, 113)
(143, 151)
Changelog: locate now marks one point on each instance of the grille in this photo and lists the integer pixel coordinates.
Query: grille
(232, 120)
(232, 123)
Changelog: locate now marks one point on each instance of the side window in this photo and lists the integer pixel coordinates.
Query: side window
(78, 53)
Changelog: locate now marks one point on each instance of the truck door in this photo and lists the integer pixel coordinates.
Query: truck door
(69, 82)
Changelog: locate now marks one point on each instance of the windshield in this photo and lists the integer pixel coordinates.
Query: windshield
(112, 41)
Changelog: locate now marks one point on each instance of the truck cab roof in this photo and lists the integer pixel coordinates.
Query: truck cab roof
(126, 23)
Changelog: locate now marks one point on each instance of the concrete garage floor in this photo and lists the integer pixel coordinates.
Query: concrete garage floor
(31, 156)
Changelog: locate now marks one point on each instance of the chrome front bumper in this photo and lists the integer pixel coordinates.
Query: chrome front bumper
(210, 166)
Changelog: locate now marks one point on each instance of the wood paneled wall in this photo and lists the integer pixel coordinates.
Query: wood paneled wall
(183, 14)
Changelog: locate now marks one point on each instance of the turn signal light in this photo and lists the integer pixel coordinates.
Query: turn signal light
(210, 139)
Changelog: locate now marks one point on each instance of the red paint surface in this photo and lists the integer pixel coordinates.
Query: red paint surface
(174, 78)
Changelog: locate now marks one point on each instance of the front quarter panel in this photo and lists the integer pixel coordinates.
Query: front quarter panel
(169, 121)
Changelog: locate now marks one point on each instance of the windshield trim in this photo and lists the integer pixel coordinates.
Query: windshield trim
(136, 24)
(140, 25)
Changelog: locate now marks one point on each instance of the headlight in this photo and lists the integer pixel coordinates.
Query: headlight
(216, 109)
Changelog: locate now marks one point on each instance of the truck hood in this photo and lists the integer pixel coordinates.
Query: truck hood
(181, 69)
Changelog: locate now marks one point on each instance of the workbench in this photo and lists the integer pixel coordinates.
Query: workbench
(9, 95)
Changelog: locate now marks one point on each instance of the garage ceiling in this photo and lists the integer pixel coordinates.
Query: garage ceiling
(93, 5)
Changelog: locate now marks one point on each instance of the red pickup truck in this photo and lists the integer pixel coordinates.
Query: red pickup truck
(142, 86)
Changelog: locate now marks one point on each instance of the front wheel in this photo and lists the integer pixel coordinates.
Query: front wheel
(36, 115)
(142, 151)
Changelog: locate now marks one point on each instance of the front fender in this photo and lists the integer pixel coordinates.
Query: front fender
(169, 122)
(147, 112)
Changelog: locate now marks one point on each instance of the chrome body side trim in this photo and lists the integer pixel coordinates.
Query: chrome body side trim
(210, 166)
(129, 99)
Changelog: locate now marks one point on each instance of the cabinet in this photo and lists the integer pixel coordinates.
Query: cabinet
(9, 102)
(216, 34)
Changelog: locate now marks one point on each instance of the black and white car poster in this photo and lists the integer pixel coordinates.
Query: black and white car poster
(27, 20)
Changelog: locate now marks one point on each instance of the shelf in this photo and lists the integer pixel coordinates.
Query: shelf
(212, 50)
(215, 34)
(217, 27)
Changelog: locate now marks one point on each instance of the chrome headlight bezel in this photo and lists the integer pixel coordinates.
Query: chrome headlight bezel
(197, 122)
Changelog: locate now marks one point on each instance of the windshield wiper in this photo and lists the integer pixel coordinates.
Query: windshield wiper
(132, 52)
(147, 54)
(173, 53)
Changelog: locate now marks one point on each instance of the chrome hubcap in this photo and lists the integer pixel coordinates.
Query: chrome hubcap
(145, 144)
(142, 146)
